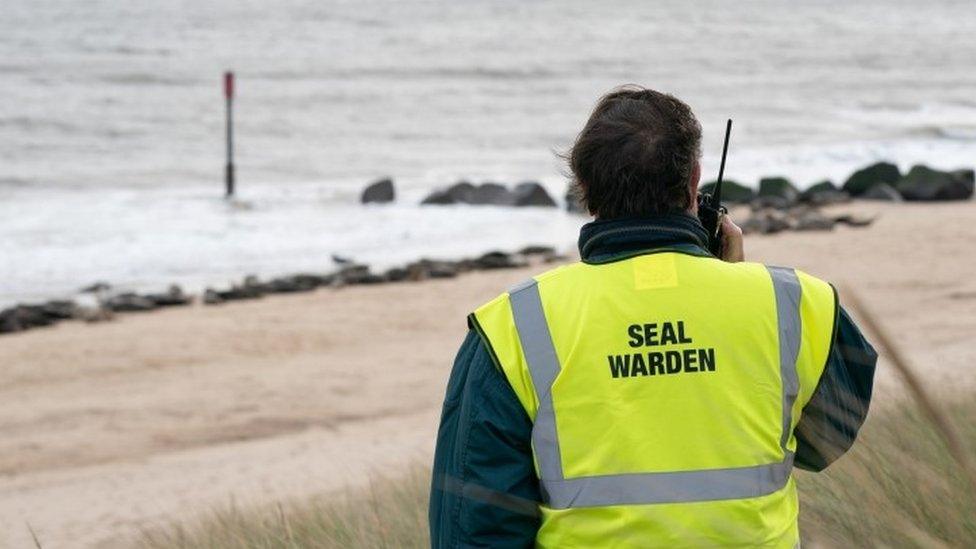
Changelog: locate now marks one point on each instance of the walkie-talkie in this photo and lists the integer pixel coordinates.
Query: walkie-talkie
(710, 208)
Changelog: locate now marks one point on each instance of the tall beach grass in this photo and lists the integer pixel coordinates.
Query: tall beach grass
(908, 482)
(899, 487)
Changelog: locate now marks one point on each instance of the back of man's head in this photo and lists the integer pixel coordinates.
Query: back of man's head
(637, 155)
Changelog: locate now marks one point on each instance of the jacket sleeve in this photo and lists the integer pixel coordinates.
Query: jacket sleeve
(831, 420)
(484, 490)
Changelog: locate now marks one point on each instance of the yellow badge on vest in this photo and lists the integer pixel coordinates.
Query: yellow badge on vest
(656, 271)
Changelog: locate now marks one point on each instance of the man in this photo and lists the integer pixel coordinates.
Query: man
(651, 395)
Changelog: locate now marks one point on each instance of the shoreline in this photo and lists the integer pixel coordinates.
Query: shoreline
(113, 427)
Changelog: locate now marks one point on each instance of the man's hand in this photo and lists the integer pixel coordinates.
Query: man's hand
(732, 250)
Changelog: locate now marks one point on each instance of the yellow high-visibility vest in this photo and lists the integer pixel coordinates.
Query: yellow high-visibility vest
(664, 390)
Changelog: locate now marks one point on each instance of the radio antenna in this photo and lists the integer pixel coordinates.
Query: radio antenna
(717, 193)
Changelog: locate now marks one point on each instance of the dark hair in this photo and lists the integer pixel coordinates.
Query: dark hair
(636, 154)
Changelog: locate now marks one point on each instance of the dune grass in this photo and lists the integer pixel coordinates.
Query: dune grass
(899, 487)
(389, 513)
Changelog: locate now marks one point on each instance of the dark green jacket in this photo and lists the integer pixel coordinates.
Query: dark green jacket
(485, 491)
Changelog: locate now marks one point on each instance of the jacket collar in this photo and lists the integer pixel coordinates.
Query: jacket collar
(603, 241)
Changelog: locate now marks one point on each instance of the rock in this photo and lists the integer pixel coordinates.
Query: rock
(23, 317)
(853, 221)
(499, 260)
(882, 191)
(212, 297)
(357, 274)
(378, 192)
(862, 180)
(129, 303)
(778, 188)
(824, 193)
(536, 249)
(442, 269)
(252, 288)
(732, 191)
(303, 282)
(494, 194)
(295, 283)
(397, 274)
(459, 193)
(430, 268)
(965, 175)
(59, 309)
(531, 193)
(173, 297)
(574, 200)
(924, 183)
(438, 198)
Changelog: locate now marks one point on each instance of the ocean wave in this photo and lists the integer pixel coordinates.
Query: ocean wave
(142, 78)
(414, 73)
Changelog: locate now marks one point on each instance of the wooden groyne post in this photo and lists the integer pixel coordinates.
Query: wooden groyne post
(229, 98)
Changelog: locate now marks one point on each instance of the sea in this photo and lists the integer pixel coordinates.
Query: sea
(112, 119)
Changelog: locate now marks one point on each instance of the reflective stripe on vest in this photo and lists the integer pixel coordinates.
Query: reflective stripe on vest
(660, 487)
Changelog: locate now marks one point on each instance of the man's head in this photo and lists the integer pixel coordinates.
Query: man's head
(637, 155)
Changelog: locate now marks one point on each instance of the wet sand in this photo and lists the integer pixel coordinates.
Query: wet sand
(109, 428)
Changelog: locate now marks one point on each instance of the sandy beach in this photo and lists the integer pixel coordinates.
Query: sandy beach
(110, 428)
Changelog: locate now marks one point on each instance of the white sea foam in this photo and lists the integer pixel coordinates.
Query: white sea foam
(111, 124)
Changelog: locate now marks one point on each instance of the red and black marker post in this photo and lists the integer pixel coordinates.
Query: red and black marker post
(229, 96)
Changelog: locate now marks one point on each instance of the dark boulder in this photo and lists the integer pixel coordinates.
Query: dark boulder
(531, 193)
(380, 191)
(357, 274)
(824, 193)
(536, 249)
(432, 268)
(251, 288)
(294, 283)
(442, 269)
(439, 197)
(925, 183)
(24, 317)
(59, 309)
(129, 303)
(173, 297)
(732, 191)
(491, 194)
(499, 260)
(397, 274)
(862, 180)
(777, 188)
(458, 193)
(882, 191)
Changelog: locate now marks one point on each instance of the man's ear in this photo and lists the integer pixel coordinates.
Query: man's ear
(693, 187)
